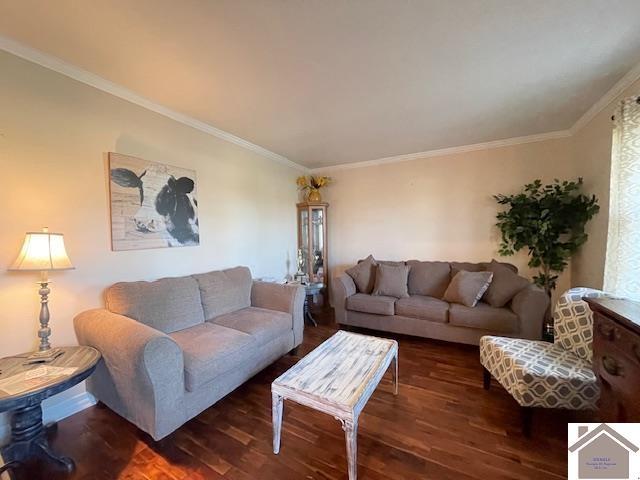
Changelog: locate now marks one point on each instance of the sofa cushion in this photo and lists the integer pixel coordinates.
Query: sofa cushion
(428, 278)
(483, 316)
(477, 267)
(364, 274)
(225, 291)
(423, 307)
(262, 324)
(467, 288)
(504, 285)
(361, 302)
(391, 280)
(168, 304)
(211, 350)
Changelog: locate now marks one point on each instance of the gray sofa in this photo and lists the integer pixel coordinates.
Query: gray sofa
(429, 316)
(173, 347)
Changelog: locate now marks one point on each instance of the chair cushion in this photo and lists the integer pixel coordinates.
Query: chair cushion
(211, 350)
(484, 316)
(225, 291)
(262, 324)
(540, 374)
(391, 280)
(364, 274)
(168, 304)
(467, 288)
(504, 285)
(422, 307)
(429, 278)
(573, 321)
(361, 302)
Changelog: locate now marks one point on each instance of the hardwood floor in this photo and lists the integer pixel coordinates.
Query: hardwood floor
(442, 425)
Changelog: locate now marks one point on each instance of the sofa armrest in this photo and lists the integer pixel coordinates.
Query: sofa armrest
(343, 288)
(287, 298)
(531, 306)
(141, 375)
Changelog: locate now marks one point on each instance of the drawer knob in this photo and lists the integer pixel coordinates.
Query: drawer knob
(607, 332)
(612, 366)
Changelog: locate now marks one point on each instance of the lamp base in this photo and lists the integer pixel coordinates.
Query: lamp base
(44, 332)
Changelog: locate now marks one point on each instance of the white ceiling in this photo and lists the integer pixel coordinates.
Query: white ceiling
(338, 81)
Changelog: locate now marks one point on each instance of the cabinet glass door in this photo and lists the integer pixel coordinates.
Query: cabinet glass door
(317, 244)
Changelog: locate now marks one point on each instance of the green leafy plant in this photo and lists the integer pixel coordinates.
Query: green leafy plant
(549, 221)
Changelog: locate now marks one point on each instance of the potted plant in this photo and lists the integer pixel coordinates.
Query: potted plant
(312, 184)
(549, 221)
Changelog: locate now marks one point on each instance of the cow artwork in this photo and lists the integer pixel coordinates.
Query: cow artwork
(153, 205)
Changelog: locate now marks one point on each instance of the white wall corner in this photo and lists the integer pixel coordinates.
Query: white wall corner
(60, 66)
(621, 85)
(541, 137)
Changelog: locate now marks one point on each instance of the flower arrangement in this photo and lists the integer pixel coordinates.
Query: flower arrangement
(313, 184)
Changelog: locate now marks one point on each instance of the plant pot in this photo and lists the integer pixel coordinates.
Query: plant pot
(314, 195)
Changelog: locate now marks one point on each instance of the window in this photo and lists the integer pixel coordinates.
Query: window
(622, 267)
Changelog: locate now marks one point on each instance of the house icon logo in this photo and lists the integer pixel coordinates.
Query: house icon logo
(604, 452)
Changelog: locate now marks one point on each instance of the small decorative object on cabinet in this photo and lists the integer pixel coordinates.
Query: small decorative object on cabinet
(312, 240)
(43, 251)
(312, 184)
(616, 357)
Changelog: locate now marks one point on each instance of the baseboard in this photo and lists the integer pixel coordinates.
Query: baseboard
(54, 412)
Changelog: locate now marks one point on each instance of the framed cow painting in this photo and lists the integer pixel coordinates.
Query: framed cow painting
(153, 205)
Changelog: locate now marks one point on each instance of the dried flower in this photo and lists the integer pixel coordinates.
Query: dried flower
(312, 182)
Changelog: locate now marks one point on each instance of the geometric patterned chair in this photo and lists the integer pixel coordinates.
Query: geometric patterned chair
(543, 374)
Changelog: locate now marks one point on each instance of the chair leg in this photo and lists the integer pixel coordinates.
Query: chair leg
(486, 378)
(294, 351)
(527, 417)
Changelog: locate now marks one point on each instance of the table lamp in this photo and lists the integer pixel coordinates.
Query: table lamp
(43, 251)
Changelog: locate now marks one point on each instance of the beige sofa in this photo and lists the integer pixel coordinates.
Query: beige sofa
(429, 316)
(173, 347)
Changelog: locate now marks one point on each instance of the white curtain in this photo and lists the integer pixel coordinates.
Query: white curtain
(622, 267)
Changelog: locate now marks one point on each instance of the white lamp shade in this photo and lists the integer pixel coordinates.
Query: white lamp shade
(42, 251)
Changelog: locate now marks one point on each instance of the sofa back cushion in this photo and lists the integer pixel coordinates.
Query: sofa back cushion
(168, 304)
(477, 267)
(428, 278)
(224, 291)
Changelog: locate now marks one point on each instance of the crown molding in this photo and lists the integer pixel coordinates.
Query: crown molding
(620, 86)
(60, 66)
(448, 151)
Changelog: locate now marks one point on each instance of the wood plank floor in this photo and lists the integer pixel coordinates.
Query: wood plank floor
(442, 425)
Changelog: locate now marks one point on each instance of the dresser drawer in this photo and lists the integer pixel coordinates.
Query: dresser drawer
(609, 334)
(616, 357)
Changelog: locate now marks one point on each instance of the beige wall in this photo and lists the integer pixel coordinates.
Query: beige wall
(592, 156)
(54, 133)
(438, 208)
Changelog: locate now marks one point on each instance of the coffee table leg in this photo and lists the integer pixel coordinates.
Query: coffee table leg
(351, 436)
(276, 408)
(395, 375)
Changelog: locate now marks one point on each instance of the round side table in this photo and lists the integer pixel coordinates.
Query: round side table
(28, 433)
(311, 290)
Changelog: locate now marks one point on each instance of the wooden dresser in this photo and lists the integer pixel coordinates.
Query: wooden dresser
(616, 357)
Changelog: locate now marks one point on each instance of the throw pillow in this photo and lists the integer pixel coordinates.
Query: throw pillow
(428, 278)
(391, 280)
(504, 286)
(467, 288)
(364, 274)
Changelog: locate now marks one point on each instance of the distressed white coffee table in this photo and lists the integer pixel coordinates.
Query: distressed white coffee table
(337, 378)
